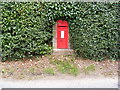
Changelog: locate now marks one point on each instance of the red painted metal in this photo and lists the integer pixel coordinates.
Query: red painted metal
(62, 34)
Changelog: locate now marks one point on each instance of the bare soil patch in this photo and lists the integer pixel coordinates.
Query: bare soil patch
(41, 67)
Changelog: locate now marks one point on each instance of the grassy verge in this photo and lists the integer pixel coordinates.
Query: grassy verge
(88, 69)
(39, 67)
(65, 66)
(49, 71)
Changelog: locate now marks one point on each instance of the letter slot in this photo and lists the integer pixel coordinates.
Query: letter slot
(62, 34)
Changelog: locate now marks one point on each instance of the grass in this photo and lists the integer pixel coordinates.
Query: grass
(21, 76)
(4, 70)
(66, 67)
(40, 66)
(110, 73)
(49, 71)
(31, 69)
(89, 68)
(8, 70)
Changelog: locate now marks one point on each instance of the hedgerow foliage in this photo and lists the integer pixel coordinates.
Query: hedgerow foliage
(93, 27)
(27, 28)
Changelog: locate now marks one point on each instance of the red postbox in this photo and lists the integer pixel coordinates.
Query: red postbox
(62, 34)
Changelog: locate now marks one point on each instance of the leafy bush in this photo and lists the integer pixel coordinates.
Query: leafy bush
(27, 28)
(0, 45)
(24, 30)
(93, 27)
(94, 33)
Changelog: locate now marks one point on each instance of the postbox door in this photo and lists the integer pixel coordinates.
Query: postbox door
(62, 37)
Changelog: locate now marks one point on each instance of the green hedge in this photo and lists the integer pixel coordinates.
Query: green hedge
(25, 31)
(93, 27)
(95, 31)
(27, 28)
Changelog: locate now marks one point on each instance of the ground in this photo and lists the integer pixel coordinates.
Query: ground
(65, 82)
(59, 66)
(58, 71)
